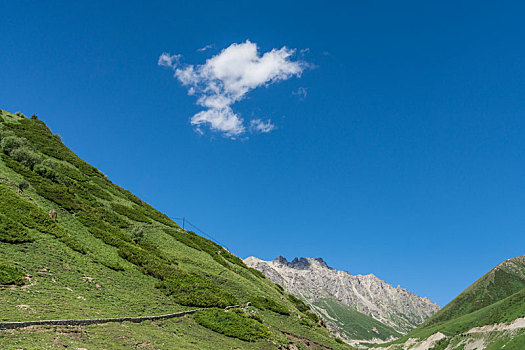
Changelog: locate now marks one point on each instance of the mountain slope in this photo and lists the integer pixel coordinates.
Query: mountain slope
(395, 309)
(350, 324)
(489, 311)
(109, 254)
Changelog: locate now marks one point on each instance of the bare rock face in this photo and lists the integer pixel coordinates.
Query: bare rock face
(313, 279)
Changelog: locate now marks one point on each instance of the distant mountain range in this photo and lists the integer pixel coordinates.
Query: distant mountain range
(355, 307)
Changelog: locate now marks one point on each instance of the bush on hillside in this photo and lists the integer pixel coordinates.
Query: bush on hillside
(23, 185)
(148, 263)
(41, 138)
(29, 215)
(46, 172)
(96, 190)
(267, 303)
(195, 290)
(10, 143)
(232, 324)
(259, 274)
(26, 156)
(5, 133)
(131, 212)
(137, 233)
(299, 304)
(10, 275)
(13, 232)
(218, 253)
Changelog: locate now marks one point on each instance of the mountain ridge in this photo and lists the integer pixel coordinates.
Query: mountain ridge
(313, 280)
(487, 314)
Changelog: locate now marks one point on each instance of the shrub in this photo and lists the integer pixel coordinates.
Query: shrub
(195, 290)
(218, 253)
(301, 306)
(267, 303)
(43, 139)
(58, 194)
(29, 215)
(148, 263)
(159, 217)
(10, 275)
(10, 143)
(26, 156)
(13, 232)
(46, 172)
(131, 212)
(339, 340)
(20, 114)
(232, 324)
(23, 185)
(96, 190)
(34, 116)
(5, 133)
(312, 316)
(279, 288)
(259, 274)
(137, 233)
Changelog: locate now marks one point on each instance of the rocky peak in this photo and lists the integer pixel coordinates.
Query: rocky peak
(313, 279)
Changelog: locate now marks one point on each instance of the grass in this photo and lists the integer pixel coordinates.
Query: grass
(232, 324)
(496, 297)
(352, 323)
(13, 232)
(89, 264)
(497, 284)
(9, 274)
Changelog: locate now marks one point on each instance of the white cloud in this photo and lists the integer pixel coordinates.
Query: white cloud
(167, 60)
(227, 77)
(257, 125)
(207, 47)
(301, 92)
(224, 120)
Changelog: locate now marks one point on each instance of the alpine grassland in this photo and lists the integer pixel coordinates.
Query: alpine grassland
(109, 254)
(354, 324)
(498, 297)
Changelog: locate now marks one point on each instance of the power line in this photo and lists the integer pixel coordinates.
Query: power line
(205, 234)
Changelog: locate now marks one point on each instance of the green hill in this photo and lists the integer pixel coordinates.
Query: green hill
(351, 323)
(496, 297)
(109, 254)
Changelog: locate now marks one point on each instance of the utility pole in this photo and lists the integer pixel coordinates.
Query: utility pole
(183, 221)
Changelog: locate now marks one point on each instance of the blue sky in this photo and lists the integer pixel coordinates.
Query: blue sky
(403, 156)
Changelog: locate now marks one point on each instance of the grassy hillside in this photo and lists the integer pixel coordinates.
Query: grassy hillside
(497, 297)
(353, 324)
(502, 281)
(110, 254)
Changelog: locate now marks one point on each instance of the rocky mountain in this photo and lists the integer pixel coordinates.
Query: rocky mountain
(318, 284)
